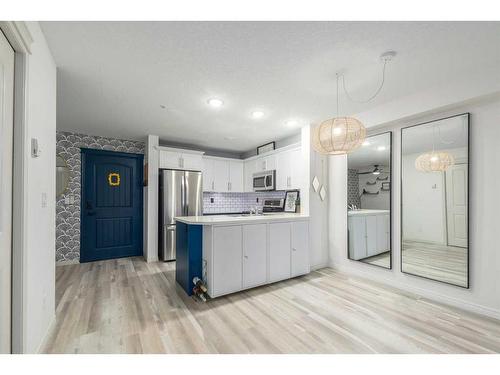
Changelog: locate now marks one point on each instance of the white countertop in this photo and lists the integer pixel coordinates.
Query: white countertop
(234, 219)
(363, 212)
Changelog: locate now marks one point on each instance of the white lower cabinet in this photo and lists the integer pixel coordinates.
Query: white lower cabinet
(279, 251)
(227, 258)
(237, 257)
(254, 255)
(369, 235)
(300, 248)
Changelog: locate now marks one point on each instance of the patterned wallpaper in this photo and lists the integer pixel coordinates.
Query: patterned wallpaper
(353, 188)
(68, 204)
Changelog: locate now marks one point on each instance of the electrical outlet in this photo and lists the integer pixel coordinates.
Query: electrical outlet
(211, 200)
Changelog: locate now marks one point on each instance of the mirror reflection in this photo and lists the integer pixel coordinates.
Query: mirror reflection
(369, 201)
(434, 190)
(62, 175)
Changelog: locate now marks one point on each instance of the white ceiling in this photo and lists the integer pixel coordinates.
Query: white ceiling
(443, 134)
(114, 76)
(369, 154)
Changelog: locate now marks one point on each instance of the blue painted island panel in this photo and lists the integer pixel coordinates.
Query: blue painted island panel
(189, 248)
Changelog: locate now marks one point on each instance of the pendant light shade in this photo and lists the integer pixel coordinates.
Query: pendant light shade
(338, 136)
(434, 161)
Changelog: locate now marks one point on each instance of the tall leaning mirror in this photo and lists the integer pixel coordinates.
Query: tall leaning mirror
(434, 200)
(369, 201)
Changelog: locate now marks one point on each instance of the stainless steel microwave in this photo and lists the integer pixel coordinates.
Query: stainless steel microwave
(264, 181)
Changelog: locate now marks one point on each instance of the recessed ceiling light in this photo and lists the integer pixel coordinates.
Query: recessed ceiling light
(257, 114)
(381, 148)
(291, 123)
(215, 102)
(366, 143)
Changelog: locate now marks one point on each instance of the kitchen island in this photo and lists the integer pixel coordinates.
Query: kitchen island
(236, 252)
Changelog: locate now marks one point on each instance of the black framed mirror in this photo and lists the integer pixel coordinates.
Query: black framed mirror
(435, 200)
(369, 201)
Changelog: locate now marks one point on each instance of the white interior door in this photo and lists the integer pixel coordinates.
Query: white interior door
(456, 205)
(6, 141)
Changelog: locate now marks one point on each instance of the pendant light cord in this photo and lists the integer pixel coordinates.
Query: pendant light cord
(366, 100)
(337, 95)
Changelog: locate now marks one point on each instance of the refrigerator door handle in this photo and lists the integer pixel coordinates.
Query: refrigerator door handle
(184, 191)
(183, 195)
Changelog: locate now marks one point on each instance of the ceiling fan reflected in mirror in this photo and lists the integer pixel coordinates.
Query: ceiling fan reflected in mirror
(376, 170)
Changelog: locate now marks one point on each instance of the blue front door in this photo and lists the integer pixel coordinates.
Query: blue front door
(111, 205)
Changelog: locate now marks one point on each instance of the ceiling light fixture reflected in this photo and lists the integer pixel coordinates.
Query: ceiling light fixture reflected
(257, 114)
(366, 143)
(381, 148)
(215, 102)
(291, 123)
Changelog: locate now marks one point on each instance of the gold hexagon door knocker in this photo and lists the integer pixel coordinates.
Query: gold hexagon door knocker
(114, 179)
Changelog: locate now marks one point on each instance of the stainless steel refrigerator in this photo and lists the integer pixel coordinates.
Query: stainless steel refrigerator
(180, 195)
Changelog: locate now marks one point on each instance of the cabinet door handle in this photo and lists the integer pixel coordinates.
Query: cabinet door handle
(246, 256)
(294, 249)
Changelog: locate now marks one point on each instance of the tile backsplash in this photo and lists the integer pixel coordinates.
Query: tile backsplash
(236, 202)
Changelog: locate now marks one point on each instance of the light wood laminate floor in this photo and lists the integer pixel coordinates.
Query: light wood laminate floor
(437, 262)
(129, 306)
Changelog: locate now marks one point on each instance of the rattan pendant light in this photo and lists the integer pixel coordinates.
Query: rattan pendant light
(434, 161)
(341, 135)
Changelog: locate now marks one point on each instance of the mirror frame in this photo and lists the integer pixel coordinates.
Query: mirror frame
(69, 177)
(468, 200)
(391, 196)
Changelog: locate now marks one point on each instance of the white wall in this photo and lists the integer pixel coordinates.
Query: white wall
(484, 293)
(381, 201)
(318, 209)
(424, 201)
(150, 249)
(39, 266)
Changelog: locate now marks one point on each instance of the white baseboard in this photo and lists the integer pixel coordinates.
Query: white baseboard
(67, 262)
(319, 266)
(435, 296)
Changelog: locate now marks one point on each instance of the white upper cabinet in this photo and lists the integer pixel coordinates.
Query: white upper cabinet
(267, 163)
(250, 167)
(288, 169)
(208, 175)
(222, 175)
(283, 170)
(236, 176)
(296, 169)
(171, 158)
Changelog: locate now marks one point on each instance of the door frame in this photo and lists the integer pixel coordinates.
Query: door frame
(140, 157)
(20, 38)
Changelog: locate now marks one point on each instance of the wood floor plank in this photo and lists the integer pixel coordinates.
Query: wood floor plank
(130, 306)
